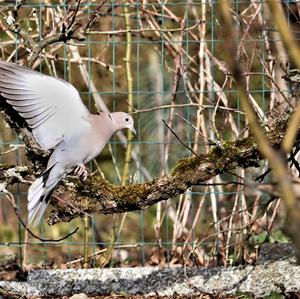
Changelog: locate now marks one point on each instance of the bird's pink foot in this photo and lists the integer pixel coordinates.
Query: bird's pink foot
(81, 171)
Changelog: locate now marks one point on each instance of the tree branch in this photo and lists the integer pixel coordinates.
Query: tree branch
(67, 32)
(97, 195)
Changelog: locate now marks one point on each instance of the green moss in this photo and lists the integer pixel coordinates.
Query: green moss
(274, 295)
(247, 142)
(131, 194)
(219, 154)
(235, 153)
(85, 203)
(97, 187)
(216, 153)
(186, 164)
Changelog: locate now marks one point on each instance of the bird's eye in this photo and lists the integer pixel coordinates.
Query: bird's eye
(126, 119)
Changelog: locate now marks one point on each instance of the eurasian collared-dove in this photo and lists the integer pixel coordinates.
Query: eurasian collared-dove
(54, 112)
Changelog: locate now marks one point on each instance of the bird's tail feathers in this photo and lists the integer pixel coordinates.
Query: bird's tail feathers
(35, 216)
(38, 198)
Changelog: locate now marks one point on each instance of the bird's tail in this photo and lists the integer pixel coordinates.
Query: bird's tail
(39, 194)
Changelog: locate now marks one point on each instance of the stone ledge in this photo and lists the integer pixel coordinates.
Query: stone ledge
(260, 280)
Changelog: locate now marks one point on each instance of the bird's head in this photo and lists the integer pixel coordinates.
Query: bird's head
(122, 120)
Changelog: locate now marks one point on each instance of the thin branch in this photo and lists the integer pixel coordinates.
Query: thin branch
(211, 142)
(121, 31)
(175, 85)
(69, 23)
(13, 147)
(136, 111)
(22, 2)
(186, 146)
(11, 199)
(16, 28)
(125, 174)
(87, 25)
(66, 33)
(273, 82)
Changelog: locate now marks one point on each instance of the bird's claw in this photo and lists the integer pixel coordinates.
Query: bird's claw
(80, 171)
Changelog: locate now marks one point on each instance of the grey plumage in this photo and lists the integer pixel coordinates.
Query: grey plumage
(53, 110)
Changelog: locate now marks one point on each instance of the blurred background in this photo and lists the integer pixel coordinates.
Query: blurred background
(175, 54)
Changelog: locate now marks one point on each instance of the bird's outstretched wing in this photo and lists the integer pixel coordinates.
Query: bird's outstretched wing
(51, 107)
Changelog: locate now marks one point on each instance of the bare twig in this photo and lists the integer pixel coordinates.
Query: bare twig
(16, 28)
(190, 149)
(11, 199)
(137, 111)
(121, 31)
(20, 4)
(87, 25)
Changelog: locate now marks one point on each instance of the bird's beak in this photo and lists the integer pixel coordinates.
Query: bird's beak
(132, 129)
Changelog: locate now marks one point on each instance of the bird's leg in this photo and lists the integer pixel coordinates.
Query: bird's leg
(81, 171)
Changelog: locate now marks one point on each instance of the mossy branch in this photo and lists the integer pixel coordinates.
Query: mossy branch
(97, 195)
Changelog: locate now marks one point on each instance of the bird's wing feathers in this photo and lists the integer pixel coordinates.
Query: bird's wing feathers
(51, 107)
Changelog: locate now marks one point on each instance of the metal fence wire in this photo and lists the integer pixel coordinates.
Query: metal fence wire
(159, 60)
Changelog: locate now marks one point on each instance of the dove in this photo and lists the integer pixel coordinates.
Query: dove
(59, 121)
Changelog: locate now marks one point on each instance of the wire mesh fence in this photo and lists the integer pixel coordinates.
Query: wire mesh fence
(159, 60)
